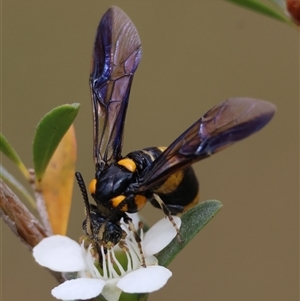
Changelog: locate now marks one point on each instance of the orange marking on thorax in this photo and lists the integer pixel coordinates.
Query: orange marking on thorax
(128, 164)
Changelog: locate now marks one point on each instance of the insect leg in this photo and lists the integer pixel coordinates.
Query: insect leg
(167, 213)
(137, 238)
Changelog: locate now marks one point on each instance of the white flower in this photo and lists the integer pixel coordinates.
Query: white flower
(62, 254)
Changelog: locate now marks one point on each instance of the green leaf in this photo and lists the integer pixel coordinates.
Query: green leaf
(9, 178)
(9, 151)
(261, 8)
(193, 221)
(49, 133)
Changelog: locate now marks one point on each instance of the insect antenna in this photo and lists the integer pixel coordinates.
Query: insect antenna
(84, 193)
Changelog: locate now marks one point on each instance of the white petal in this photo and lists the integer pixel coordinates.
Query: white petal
(151, 260)
(81, 288)
(110, 291)
(160, 235)
(145, 280)
(59, 253)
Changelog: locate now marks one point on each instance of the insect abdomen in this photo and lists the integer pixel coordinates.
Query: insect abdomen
(179, 192)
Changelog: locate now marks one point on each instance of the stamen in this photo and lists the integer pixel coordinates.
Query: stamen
(112, 271)
(135, 254)
(142, 234)
(104, 267)
(116, 261)
(90, 263)
(129, 262)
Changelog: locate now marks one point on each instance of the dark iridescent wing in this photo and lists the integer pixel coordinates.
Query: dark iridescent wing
(226, 123)
(117, 52)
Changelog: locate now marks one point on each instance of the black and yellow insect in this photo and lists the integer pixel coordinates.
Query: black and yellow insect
(163, 176)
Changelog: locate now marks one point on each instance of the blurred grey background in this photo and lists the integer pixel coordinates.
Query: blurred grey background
(195, 54)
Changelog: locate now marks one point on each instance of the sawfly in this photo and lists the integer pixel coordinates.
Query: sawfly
(161, 175)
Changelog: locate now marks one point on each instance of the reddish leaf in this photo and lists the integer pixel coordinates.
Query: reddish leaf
(57, 183)
(293, 6)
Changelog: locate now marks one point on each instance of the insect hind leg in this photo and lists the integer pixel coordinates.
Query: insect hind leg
(167, 213)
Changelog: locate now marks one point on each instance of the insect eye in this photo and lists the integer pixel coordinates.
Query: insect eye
(128, 164)
(92, 186)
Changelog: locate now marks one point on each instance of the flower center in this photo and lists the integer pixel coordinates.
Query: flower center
(118, 260)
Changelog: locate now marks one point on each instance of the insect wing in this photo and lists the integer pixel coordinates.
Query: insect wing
(226, 123)
(117, 52)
